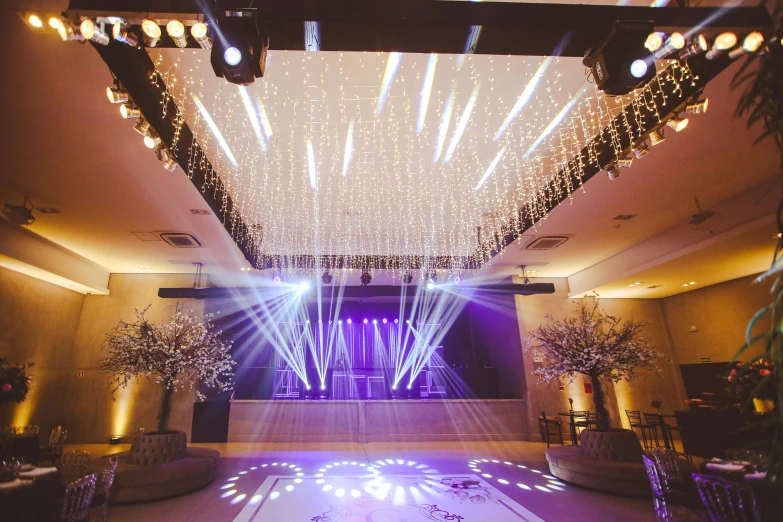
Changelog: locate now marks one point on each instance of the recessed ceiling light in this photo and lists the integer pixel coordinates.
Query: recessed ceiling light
(144, 267)
(692, 283)
(778, 235)
(531, 271)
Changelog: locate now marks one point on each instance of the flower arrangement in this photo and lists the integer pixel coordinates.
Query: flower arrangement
(176, 355)
(595, 344)
(751, 381)
(657, 405)
(14, 381)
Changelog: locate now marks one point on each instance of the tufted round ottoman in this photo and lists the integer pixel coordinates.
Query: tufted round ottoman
(161, 465)
(605, 460)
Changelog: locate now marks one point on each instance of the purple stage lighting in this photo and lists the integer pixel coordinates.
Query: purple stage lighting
(349, 320)
(396, 321)
(384, 320)
(323, 386)
(365, 320)
(409, 386)
(375, 321)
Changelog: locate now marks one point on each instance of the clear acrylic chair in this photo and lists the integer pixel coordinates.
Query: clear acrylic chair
(101, 499)
(73, 465)
(726, 500)
(78, 495)
(666, 511)
(668, 466)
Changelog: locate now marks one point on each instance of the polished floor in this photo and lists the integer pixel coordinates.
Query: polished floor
(257, 481)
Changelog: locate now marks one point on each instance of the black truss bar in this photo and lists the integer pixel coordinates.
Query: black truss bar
(569, 179)
(424, 26)
(133, 68)
(350, 292)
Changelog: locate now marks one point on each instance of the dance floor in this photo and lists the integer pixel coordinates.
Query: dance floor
(383, 482)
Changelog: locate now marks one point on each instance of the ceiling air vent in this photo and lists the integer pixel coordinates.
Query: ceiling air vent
(180, 239)
(547, 242)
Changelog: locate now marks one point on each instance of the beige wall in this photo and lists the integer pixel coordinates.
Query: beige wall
(720, 313)
(637, 395)
(63, 333)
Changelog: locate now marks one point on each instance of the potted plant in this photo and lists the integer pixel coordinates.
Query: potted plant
(14, 381)
(175, 355)
(595, 344)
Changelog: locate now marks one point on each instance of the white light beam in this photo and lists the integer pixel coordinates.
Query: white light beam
(251, 113)
(392, 64)
(348, 150)
(215, 130)
(426, 91)
(491, 168)
(444, 124)
(311, 163)
(463, 122)
(556, 121)
(525, 97)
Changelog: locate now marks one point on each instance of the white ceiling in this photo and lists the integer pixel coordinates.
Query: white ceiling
(66, 146)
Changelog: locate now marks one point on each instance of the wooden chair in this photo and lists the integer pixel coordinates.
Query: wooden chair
(635, 419)
(73, 466)
(725, 500)
(103, 488)
(550, 428)
(78, 495)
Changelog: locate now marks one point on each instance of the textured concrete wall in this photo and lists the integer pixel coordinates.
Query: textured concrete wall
(63, 333)
(720, 314)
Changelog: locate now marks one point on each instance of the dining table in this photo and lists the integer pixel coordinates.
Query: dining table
(571, 425)
(34, 495)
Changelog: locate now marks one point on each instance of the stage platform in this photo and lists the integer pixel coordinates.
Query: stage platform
(377, 420)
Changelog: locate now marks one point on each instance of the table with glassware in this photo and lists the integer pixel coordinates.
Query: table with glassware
(28, 492)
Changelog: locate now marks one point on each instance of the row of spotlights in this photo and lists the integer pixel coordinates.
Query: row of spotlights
(656, 137)
(151, 138)
(662, 45)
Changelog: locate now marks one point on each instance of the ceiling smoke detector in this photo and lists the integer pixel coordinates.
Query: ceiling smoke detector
(546, 242)
(180, 239)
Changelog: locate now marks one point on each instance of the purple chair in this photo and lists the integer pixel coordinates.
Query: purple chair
(726, 501)
(659, 495)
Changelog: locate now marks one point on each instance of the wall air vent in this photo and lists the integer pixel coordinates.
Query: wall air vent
(180, 239)
(546, 242)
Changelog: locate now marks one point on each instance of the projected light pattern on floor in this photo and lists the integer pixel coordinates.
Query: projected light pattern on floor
(509, 473)
(376, 497)
(232, 490)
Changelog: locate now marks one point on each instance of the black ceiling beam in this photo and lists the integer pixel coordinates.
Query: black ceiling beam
(132, 67)
(351, 292)
(599, 152)
(425, 26)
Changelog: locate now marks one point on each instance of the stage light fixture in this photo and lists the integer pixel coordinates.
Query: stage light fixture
(375, 321)
(699, 107)
(348, 321)
(304, 286)
(116, 95)
(326, 278)
(407, 321)
(394, 386)
(407, 278)
(396, 320)
(323, 387)
(121, 33)
(621, 162)
(365, 320)
(657, 137)
(308, 386)
(620, 62)
(68, 33)
(170, 164)
(200, 33)
(384, 320)
(677, 124)
(152, 33)
(750, 44)
(152, 140)
(654, 41)
(128, 111)
(697, 46)
(723, 42)
(638, 68)
(239, 55)
(641, 150)
(612, 172)
(176, 31)
(430, 284)
(675, 42)
(35, 21)
(142, 126)
(277, 278)
(55, 23)
(92, 32)
(409, 386)
(339, 321)
(365, 278)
